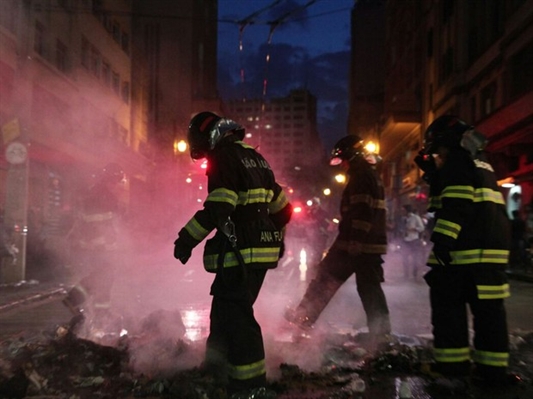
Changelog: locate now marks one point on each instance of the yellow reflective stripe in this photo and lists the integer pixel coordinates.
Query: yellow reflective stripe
(374, 248)
(247, 371)
(244, 145)
(254, 196)
(496, 359)
(493, 291)
(249, 255)
(447, 228)
(367, 199)
(196, 230)
(280, 203)
(97, 217)
(488, 195)
(361, 225)
(222, 195)
(472, 256)
(465, 192)
(480, 256)
(452, 355)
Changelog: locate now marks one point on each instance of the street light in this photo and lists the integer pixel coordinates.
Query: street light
(180, 146)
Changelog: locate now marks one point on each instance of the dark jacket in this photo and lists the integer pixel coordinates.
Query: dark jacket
(241, 186)
(363, 212)
(470, 215)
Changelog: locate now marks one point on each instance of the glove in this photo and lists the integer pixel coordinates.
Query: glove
(442, 254)
(425, 162)
(182, 252)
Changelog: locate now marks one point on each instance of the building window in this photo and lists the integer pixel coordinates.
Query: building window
(446, 65)
(116, 32)
(125, 92)
(116, 82)
(106, 73)
(123, 134)
(430, 43)
(61, 56)
(95, 61)
(85, 51)
(488, 99)
(38, 40)
(521, 72)
(125, 42)
(473, 108)
(446, 10)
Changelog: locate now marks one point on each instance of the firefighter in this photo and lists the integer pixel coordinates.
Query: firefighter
(94, 239)
(358, 248)
(470, 253)
(249, 211)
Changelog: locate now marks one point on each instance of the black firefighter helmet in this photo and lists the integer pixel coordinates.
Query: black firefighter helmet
(445, 131)
(347, 149)
(206, 130)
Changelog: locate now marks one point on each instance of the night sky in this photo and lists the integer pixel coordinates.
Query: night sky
(309, 47)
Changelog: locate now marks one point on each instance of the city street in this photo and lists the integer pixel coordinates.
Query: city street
(172, 287)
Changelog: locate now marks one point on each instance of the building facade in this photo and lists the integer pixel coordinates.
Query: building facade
(449, 56)
(84, 83)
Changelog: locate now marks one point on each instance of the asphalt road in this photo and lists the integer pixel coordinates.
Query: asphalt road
(185, 288)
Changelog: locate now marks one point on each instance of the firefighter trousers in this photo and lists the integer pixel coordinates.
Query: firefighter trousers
(235, 353)
(333, 271)
(452, 288)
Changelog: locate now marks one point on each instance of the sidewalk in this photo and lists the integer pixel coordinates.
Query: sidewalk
(26, 292)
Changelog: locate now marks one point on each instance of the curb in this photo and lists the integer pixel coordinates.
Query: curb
(32, 299)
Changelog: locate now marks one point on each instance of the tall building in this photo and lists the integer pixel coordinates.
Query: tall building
(175, 43)
(284, 129)
(366, 88)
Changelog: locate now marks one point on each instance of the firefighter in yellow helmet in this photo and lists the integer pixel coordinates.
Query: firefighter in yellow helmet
(249, 211)
(469, 256)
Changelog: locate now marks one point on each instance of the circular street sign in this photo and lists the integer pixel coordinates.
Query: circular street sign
(16, 153)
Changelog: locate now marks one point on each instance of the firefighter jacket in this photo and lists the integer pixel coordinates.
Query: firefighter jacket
(363, 212)
(470, 215)
(95, 227)
(242, 187)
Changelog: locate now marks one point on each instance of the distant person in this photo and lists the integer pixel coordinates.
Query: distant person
(7, 249)
(249, 211)
(95, 246)
(413, 254)
(359, 246)
(470, 253)
(519, 258)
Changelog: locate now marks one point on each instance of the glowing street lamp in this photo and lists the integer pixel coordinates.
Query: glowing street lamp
(340, 178)
(371, 147)
(180, 146)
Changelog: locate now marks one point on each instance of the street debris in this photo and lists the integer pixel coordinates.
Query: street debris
(61, 365)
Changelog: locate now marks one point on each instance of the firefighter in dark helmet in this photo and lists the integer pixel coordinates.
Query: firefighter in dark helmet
(249, 210)
(470, 253)
(359, 246)
(94, 241)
